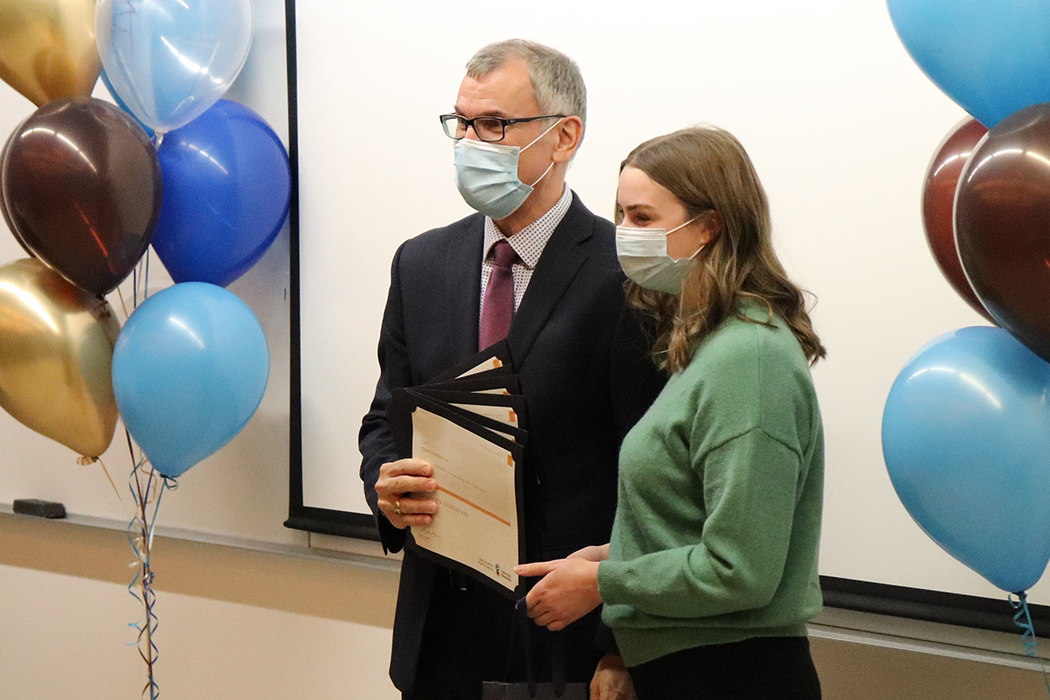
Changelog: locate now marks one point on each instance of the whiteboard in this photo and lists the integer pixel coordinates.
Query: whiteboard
(242, 490)
(838, 120)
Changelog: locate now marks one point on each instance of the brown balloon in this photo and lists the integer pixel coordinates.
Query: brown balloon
(3, 203)
(938, 199)
(1002, 224)
(47, 48)
(56, 348)
(82, 188)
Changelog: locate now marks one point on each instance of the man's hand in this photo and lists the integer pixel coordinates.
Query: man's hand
(612, 680)
(567, 592)
(405, 489)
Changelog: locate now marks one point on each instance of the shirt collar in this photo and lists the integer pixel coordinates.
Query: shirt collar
(529, 242)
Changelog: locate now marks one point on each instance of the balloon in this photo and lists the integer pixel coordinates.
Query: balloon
(82, 189)
(3, 202)
(120, 103)
(189, 370)
(47, 48)
(938, 198)
(966, 438)
(990, 56)
(226, 193)
(170, 60)
(56, 344)
(1001, 212)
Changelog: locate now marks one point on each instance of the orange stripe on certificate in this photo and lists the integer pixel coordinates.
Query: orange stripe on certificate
(475, 506)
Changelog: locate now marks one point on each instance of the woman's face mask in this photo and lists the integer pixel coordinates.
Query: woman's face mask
(643, 256)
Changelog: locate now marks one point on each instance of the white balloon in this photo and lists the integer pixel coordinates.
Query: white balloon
(170, 60)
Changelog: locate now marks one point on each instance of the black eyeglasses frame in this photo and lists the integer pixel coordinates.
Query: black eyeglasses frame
(458, 119)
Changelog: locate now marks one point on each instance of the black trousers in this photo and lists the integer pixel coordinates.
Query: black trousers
(762, 668)
(472, 634)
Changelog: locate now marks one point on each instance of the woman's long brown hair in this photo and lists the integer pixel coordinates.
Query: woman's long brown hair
(709, 170)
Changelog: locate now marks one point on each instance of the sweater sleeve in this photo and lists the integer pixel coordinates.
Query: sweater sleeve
(750, 487)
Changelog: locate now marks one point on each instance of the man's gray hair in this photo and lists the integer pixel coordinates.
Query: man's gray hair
(556, 80)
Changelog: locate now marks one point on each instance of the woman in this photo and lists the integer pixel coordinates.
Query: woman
(711, 573)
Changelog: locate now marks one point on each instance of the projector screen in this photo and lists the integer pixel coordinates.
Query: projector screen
(841, 126)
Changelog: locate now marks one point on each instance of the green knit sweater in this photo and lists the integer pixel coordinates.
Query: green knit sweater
(721, 482)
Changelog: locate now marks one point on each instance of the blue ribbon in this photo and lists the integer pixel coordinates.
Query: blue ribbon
(140, 537)
(1023, 619)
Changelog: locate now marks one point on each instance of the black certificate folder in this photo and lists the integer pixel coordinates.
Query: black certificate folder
(492, 361)
(475, 442)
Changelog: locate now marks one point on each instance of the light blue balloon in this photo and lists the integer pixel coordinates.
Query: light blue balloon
(992, 57)
(169, 60)
(120, 103)
(189, 370)
(966, 439)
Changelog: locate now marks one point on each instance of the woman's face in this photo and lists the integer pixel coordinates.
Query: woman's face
(648, 204)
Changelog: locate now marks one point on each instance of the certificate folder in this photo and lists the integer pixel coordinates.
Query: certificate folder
(504, 408)
(475, 442)
(411, 399)
(493, 361)
(484, 383)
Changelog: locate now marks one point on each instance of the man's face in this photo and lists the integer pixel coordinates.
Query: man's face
(507, 92)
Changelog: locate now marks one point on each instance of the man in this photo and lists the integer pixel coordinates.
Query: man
(581, 358)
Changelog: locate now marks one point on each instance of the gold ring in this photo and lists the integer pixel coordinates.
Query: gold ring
(397, 507)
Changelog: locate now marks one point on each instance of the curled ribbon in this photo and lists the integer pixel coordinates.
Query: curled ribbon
(1023, 619)
(147, 487)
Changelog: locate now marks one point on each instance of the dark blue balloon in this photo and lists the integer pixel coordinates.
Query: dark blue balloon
(966, 439)
(226, 192)
(189, 369)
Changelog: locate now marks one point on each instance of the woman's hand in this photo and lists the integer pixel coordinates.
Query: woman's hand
(592, 553)
(567, 591)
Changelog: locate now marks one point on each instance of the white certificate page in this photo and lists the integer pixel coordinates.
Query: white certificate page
(477, 519)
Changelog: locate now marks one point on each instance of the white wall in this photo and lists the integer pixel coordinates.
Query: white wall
(246, 625)
(233, 624)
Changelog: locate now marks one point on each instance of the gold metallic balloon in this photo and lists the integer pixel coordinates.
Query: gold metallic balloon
(56, 348)
(47, 48)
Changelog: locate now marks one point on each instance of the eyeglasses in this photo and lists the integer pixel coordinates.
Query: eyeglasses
(489, 129)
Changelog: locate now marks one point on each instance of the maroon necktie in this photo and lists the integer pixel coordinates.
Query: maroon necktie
(498, 307)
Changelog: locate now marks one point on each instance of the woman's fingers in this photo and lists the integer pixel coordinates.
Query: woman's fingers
(538, 568)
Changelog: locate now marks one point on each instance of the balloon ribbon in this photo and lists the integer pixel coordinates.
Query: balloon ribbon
(1023, 619)
(147, 488)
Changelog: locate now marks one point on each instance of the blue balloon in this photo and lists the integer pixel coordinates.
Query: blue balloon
(227, 187)
(170, 60)
(189, 369)
(966, 439)
(989, 56)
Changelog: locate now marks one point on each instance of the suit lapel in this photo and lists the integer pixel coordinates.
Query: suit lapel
(463, 285)
(561, 259)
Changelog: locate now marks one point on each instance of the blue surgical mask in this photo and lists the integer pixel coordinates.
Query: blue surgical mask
(644, 259)
(487, 176)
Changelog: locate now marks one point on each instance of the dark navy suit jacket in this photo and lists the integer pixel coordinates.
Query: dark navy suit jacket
(583, 362)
